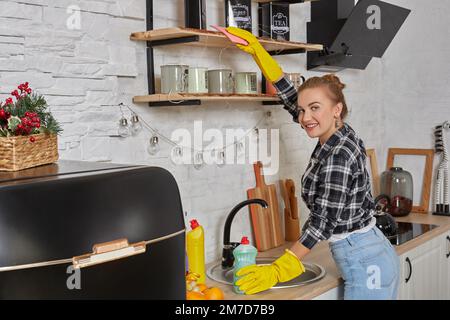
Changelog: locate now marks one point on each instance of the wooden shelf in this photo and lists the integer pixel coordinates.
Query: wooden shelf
(196, 37)
(173, 98)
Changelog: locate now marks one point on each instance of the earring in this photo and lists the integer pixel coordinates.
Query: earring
(337, 123)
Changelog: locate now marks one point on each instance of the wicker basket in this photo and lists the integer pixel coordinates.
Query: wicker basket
(18, 153)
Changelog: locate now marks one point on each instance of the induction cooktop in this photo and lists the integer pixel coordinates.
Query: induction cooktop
(408, 231)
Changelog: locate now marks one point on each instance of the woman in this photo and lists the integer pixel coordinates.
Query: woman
(335, 187)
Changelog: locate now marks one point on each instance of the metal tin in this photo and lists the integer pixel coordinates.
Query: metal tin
(296, 78)
(198, 80)
(174, 78)
(220, 81)
(245, 83)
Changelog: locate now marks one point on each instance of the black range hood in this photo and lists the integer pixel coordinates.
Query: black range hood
(351, 34)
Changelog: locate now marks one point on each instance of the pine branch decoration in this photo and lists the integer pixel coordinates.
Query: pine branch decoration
(27, 115)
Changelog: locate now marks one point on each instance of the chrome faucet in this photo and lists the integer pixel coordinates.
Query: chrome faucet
(228, 247)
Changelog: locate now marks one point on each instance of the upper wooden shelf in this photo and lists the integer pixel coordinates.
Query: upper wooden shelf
(215, 39)
(173, 98)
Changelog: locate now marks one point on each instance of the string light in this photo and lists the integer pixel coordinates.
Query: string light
(220, 159)
(123, 130)
(239, 147)
(155, 132)
(198, 160)
(177, 155)
(136, 125)
(153, 147)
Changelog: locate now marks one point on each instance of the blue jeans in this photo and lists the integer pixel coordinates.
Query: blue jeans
(369, 266)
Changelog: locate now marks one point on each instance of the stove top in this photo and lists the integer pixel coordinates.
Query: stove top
(408, 231)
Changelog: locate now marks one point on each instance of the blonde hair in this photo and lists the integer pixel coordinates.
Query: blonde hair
(334, 85)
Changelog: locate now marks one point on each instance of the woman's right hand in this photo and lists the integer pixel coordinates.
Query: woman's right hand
(263, 59)
(253, 43)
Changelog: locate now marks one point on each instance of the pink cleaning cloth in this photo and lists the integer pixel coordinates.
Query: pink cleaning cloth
(230, 36)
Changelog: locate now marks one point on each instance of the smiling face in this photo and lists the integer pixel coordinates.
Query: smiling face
(318, 112)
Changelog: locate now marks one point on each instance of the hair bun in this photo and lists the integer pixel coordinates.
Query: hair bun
(331, 78)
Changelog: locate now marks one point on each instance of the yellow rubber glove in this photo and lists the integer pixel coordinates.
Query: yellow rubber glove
(266, 63)
(257, 278)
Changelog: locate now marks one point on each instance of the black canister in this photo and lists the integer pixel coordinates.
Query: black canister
(195, 14)
(397, 184)
(274, 20)
(238, 13)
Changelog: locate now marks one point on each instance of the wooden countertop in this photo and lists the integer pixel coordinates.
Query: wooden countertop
(321, 255)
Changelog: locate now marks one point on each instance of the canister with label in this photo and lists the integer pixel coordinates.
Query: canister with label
(238, 13)
(274, 20)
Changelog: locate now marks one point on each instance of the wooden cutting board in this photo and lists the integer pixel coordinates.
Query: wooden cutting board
(266, 222)
(260, 221)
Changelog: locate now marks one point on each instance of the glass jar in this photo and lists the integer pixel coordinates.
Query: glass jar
(397, 184)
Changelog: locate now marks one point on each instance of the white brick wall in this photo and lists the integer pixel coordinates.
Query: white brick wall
(86, 73)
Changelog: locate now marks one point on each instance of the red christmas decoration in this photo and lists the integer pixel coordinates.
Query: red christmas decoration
(18, 119)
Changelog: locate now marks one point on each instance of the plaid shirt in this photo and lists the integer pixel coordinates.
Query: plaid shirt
(336, 185)
(288, 95)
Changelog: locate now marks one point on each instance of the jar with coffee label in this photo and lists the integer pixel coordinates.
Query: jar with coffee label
(238, 13)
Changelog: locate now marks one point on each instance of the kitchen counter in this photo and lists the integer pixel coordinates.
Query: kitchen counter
(321, 255)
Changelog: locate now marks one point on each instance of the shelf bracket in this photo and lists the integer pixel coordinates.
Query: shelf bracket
(285, 52)
(164, 42)
(271, 103)
(181, 103)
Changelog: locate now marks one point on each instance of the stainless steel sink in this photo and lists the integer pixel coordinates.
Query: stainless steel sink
(313, 273)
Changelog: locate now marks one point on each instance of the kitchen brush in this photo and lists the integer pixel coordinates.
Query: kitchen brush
(441, 195)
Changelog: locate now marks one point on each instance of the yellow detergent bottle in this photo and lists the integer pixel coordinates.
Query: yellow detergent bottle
(195, 244)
